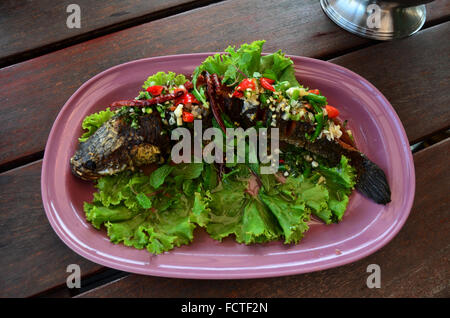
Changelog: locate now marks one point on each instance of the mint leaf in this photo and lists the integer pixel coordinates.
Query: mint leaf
(187, 170)
(159, 175)
(144, 201)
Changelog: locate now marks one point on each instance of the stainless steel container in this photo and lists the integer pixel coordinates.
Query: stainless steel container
(375, 19)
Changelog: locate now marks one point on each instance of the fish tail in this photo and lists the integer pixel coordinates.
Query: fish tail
(372, 182)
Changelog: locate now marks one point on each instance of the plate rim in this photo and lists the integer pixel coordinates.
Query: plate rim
(345, 259)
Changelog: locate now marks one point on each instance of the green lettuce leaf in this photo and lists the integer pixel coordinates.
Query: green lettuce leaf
(159, 175)
(341, 176)
(340, 182)
(165, 79)
(137, 211)
(291, 215)
(245, 60)
(113, 189)
(93, 122)
(200, 208)
(233, 211)
(258, 224)
(314, 195)
(131, 232)
(188, 170)
(144, 200)
(97, 214)
(209, 176)
(279, 68)
(170, 223)
(226, 206)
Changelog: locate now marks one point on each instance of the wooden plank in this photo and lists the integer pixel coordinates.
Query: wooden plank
(413, 75)
(413, 264)
(32, 92)
(437, 12)
(33, 258)
(27, 25)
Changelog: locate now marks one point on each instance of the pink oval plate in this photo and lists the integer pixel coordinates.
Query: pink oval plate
(365, 228)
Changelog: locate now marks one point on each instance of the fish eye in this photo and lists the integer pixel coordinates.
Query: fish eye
(90, 165)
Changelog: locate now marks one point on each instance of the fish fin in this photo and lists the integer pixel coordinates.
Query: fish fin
(372, 183)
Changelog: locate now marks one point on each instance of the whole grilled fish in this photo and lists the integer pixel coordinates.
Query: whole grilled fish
(116, 146)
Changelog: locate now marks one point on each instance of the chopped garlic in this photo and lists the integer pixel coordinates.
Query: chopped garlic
(178, 113)
(333, 132)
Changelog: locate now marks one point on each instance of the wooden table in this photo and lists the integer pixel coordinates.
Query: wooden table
(43, 62)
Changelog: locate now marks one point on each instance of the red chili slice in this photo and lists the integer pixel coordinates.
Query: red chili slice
(155, 90)
(186, 98)
(238, 94)
(332, 111)
(246, 83)
(187, 117)
(267, 83)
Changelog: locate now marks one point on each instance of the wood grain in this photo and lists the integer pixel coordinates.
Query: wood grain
(413, 264)
(437, 12)
(33, 92)
(33, 258)
(29, 25)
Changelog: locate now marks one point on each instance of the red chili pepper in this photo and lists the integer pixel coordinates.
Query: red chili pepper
(155, 90)
(189, 86)
(246, 83)
(187, 117)
(332, 111)
(186, 98)
(267, 83)
(238, 94)
(314, 91)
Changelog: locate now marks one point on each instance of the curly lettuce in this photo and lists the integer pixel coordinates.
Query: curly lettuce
(137, 214)
(160, 212)
(233, 211)
(165, 79)
(93, 122)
